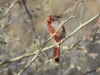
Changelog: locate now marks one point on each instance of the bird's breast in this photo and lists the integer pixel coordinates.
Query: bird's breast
(55, 24)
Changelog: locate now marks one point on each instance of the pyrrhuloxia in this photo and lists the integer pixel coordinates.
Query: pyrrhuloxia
(53, 23)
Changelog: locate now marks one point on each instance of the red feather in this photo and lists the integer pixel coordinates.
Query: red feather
(56, 53)
(53, 23)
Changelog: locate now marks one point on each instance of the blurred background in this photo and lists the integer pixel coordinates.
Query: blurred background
(26, 23)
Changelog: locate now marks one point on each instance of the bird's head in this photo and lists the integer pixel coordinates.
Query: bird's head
(52, 18)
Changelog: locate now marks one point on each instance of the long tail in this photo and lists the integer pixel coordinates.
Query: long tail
(56, 53)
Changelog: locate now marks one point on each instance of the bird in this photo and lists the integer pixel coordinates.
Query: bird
(53, 24)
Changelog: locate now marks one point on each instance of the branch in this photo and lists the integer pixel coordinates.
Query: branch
(29, 15)
(9, 9)
(17, 58)
(75, 31)
(62, 23)
(74, 45)
(46, 48)
(5, 26)
(29, 63)
(42, 67)
(80, 27)
(89, 72)
(49, 39)
(96, 70)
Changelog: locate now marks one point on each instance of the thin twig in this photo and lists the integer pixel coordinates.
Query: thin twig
(5, 26)
(89, 72)
(29, 63)
(74, 45)
(62, 23)
(68, 70)
(9, 9)
(47, 41)
(17, 58)
(42, 67)
(80, 27)
(29, 15)
(46, 48)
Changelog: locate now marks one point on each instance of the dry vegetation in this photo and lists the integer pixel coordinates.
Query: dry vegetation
(26, 46)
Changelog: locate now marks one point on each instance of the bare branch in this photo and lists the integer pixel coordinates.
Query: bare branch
(17, 58)
(89, 72)
(74, 45)
(80, 27)
(42, 49)
(9, 8)
(42, 67)
(49, 40)
(62, 23)
(46, 48)
(75, 31)
(29, 63)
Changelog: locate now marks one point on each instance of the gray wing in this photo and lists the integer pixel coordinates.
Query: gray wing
(62, 32)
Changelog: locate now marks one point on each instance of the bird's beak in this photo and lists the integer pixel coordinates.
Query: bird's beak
(48, 19)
